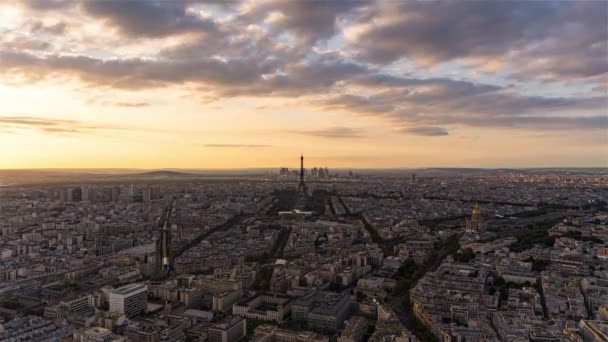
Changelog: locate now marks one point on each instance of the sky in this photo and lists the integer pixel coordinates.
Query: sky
(350, 84)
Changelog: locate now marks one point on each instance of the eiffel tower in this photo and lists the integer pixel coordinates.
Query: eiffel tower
(302, 185)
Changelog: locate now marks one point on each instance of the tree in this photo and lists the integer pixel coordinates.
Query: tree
(466, 255)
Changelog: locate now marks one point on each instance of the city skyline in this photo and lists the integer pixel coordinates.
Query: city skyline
(245, 85)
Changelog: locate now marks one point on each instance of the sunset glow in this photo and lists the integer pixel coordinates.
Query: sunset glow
(177, 84)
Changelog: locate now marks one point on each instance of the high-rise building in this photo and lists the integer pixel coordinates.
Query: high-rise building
(63, 194)
(130, 300)
(107, 194)
(115, 192)
(155, 193)
(76, 194)
(146, 194)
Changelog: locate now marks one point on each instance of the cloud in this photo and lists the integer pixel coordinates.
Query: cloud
(149, 18)
(57, 28)
(236, 145)
(133, 73)
(51, 125)
(566, 39)
(25, 44)
(331, 132)
(309, 21)
(334, 55)
(47, 5)
(356, 103)
(233, 77)
(428, 131)
(567, 123)
(406, 100)
(440, 101)
(129, 104)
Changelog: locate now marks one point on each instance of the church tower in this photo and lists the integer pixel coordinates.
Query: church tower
(476, 223)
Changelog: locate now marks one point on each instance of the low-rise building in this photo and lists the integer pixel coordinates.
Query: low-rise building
(230, 330)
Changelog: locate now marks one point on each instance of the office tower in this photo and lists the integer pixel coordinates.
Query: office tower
(115, 192)
(107, 194)
(155, 193)
(93, 195)
(130, 300)
(146, 194)
(63, 194)
(76, 194)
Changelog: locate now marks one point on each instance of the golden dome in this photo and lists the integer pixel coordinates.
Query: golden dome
(476, 210)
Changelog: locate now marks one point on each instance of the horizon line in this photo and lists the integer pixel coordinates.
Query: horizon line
(278, 167)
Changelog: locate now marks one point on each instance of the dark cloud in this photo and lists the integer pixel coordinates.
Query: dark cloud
(309, 20)
(236, 145)
(134, 73)
(455, 87)
(356, 103)
(551, 122)
(439, 102)
(149, 18)
(429, 131)
(50, 125)
(432, 32)
(331, 132)
(234, 77)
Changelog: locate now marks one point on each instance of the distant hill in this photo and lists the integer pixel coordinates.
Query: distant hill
(163, 173)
